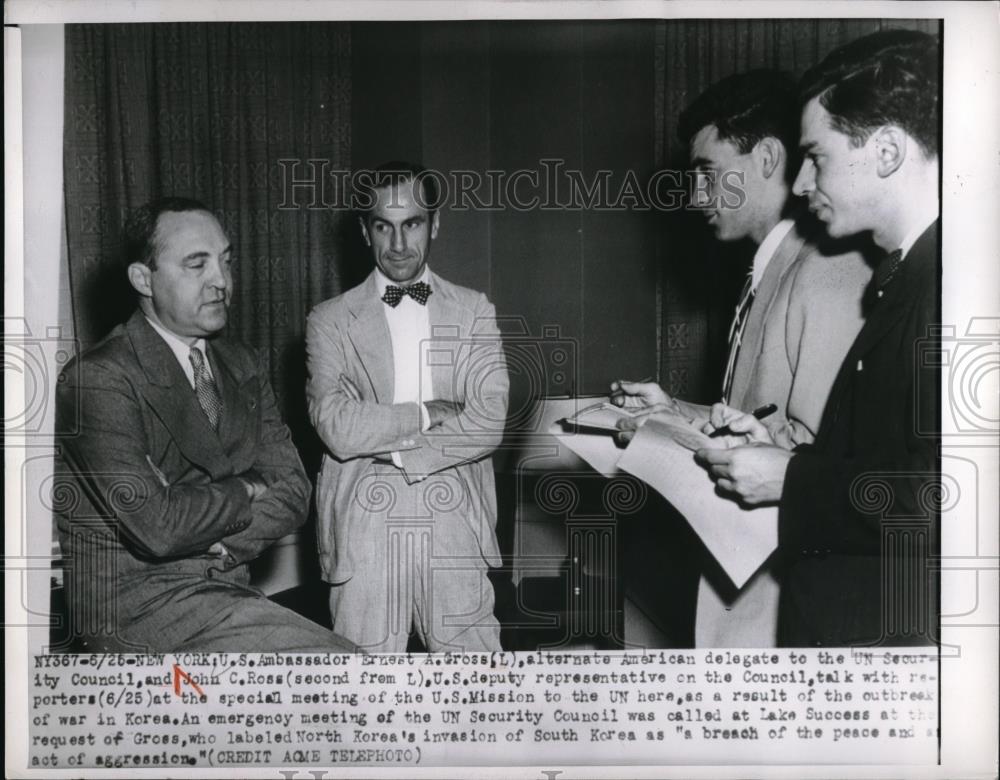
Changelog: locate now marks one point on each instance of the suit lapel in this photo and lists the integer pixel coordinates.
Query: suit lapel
(922, 252)
(369, 334)
(879, 323)
(448, 324)
(767, 292)
(170, 395)
(238, 405)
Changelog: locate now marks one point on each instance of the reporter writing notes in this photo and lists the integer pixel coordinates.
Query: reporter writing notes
(858, 518)
(799, 310)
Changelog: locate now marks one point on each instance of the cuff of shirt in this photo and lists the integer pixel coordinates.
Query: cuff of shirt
(398, 463)
(425, 417)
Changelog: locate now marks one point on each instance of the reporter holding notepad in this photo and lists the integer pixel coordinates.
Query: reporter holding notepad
(799, 311)
(858, 512)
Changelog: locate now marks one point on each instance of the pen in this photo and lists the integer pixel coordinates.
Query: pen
(760, 413)
(619, 393)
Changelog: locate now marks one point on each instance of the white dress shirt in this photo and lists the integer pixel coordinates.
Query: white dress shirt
(182, 351)
(765, 252)
(410, 333)
(921, 225)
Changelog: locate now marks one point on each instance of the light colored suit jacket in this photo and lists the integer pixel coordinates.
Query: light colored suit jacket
(145, 487)
(805, 316)
(447, 474)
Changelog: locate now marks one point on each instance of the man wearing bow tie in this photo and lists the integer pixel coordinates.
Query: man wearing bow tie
(175, 469)
(858, 513)
(408, 391)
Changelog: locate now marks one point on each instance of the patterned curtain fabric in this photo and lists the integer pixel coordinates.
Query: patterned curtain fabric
(210, 111)
(700, 279)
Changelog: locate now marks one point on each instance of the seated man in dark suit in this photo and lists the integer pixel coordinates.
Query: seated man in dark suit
(175, 468)
(859, 506)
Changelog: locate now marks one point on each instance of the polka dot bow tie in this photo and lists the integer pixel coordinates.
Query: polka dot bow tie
(420, 292)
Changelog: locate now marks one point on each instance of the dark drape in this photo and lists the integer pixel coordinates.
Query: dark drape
(700, 278)
(222, 113)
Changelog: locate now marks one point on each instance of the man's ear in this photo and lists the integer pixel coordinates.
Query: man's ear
(434, 225)
(890, 150)
(770, 154)
(364, 231)
(140, 277)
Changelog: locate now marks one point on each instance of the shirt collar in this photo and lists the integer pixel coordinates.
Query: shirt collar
(177, 345)
(767, 249)
(382, 281)
(925, 221)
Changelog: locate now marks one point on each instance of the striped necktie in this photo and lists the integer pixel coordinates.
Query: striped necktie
(205, 388)
(736, 334)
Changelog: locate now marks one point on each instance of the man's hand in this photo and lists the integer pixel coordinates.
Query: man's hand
(648, 397)
(755, 473)
(253, 483)
(627, 426)
(629, 394)
(439, 411)
(742, 428)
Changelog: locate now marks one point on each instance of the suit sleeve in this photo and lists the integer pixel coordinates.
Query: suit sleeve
(108, 457)
(840, 504)
(823, 318)
(284, 506)
(482, 385)
(348, 428)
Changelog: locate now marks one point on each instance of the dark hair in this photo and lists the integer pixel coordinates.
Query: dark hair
(396, 172)
(745, 108)
(138, 244)
(887, 78)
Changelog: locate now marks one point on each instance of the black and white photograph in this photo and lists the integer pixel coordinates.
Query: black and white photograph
(557, 390)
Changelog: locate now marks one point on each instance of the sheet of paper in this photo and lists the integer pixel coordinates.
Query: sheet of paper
(597, 449)
(661, 455)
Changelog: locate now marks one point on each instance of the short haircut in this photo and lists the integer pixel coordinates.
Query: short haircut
(138, 241)
(396, 172)
(744, 108)
(887, 78)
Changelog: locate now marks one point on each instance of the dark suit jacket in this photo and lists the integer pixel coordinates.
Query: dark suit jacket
(146, 487)
(858, 517)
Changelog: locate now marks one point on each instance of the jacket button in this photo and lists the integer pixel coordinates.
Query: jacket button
(210, 574)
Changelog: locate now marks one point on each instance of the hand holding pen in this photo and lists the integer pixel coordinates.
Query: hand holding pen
(748, 428)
